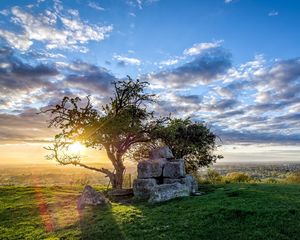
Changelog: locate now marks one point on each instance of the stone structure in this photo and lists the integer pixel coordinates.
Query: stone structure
(163, 152)
(90, 196)
(162, 178)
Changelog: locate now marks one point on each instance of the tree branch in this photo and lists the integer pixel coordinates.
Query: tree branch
(72, 159)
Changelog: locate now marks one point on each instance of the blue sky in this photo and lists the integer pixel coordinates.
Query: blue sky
(154, 31)
(234, 64)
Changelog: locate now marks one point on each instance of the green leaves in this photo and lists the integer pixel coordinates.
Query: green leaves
(191, 141)
(123, 122)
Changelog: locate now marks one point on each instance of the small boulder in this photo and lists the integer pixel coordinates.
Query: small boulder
(151, 168)
(174, 169)
(143, 187)
(162, 152)
(165, 192)
(90, 196)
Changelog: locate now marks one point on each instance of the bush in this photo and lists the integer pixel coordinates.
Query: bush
(293, 177)
(271, 180)
(213, 176)
(237, 177)
(200, 179)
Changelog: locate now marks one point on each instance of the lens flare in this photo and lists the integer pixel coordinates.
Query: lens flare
(75, 148)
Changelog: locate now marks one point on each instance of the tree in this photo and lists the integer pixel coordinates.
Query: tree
(122, 123)
(192, 141)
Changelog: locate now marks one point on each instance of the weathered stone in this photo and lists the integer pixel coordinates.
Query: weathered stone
(151, 168)
(174, 169)
(143, 187)
(188, 180)
(165, 192)
(90, 196)
(173, 180)
(162, 152)
(193, 182)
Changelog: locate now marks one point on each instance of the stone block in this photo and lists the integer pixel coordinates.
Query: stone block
(143, 187)
(173, 180)
(163, 152)
(188, 180)
(174, 169)
(165, 192)
(151, 168)
(193, 183)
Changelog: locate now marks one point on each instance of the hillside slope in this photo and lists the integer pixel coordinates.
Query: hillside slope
(235, 211)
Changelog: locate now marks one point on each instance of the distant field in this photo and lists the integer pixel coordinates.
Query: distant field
(56, 175)
(257, 169)
(233, 211)
(53, 175)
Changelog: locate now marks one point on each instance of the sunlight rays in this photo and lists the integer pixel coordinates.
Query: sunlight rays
(76, 148)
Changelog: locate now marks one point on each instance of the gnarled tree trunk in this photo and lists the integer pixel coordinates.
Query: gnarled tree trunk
(117, 178)
(116, 157)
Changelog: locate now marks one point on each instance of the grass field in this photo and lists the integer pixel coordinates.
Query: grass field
(233, 211)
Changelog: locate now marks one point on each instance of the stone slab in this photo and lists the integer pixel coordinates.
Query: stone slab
(174, 169)
(151, 168)
(143, 187)
(188, 180)
(165, 192)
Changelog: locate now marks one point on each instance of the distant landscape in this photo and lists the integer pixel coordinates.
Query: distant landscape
(50, 175)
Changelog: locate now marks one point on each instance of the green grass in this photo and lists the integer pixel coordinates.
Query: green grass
(233, 211)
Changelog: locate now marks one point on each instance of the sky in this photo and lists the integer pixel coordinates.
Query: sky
(234, 64)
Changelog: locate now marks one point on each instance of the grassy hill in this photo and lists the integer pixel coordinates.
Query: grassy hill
(233, 211)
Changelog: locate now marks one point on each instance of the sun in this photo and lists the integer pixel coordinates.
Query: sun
(76, 148)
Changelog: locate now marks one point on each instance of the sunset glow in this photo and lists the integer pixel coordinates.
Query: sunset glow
(76, 148)
(247, 91)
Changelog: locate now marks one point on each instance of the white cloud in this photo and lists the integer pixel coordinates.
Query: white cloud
(20, 42)
(96, 6)
(4, 12)
(45, 55)
(126, 60)
(58, 7)
(140, 3)
(5, 65)
(273, 13)
(228, 1)
(73, 12)
(169, 62)
(71, 35)
(200, 47)
(203, 69)
(83, 32)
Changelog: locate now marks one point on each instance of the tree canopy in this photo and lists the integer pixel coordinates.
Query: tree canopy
(191, 141)
(125, 127)
(115, 127)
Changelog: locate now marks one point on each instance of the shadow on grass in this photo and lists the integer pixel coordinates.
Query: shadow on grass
(99, 223)
(236, 211)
